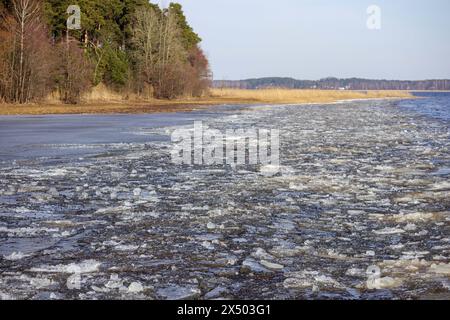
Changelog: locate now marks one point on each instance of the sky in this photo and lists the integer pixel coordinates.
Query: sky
(313, 39)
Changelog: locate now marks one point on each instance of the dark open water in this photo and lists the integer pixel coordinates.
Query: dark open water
(432, 104)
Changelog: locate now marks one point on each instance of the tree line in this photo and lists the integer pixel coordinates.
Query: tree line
(334, 84)
(131, 46)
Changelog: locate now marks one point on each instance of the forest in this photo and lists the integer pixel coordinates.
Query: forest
(334, 84)
(131, 46)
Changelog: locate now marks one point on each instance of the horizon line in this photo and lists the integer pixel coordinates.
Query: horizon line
(332, 78)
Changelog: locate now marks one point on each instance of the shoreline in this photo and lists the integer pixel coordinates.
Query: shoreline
(218, 98)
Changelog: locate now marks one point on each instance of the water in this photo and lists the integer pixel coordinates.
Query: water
(362, 184)
(72, 136)
(431, 104)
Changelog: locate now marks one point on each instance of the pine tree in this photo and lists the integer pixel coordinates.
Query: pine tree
(190, 39)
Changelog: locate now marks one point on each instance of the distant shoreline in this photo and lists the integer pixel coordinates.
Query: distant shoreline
(217, 97)
(333, 83)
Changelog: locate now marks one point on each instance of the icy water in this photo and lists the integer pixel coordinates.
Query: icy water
(91, 207)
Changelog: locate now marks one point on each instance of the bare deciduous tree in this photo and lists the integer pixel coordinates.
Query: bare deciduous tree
(6, 57)
(146, 44)
(75, 72)
(159, 54)
(26, 17)
(26, 52)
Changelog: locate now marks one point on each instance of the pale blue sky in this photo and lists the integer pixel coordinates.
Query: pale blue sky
(312, 39)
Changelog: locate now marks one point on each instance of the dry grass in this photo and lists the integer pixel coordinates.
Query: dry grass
(101, 93)
(101, 108)
(304, 96)
(103, 101)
